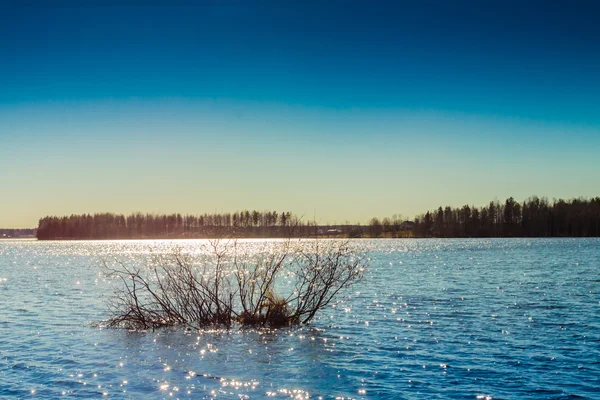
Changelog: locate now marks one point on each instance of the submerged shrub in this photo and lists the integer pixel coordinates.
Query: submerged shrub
(231, 289)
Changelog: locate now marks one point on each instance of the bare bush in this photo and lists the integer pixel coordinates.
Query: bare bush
(285, 287)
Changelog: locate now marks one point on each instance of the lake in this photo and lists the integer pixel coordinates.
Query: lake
(433, 319)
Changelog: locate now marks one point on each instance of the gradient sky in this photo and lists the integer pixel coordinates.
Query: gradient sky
(343, 109)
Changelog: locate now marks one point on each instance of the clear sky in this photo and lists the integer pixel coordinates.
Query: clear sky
(344, 109)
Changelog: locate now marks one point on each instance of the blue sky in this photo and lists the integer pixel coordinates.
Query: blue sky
(349, 109)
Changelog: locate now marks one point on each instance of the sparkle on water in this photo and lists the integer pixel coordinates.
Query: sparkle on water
(480, 319)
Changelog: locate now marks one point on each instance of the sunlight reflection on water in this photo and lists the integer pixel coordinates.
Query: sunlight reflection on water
(433, 319)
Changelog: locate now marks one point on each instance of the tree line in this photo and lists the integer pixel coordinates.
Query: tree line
(138, 225)
(534, 217)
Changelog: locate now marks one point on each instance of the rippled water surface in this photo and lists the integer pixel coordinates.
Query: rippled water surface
(433, 319)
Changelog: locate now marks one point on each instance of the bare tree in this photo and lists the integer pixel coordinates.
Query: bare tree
(232, 289)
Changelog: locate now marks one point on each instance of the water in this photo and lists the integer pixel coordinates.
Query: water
(434, 319)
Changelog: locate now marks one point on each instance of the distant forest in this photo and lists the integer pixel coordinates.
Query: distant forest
(140, 226)
(535, 217)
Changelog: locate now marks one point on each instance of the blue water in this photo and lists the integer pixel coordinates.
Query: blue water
(433, 319)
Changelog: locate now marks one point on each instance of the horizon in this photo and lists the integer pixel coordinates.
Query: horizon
(379, 218)
(342, 111)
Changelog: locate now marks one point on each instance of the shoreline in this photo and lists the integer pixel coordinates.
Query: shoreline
(298, 237)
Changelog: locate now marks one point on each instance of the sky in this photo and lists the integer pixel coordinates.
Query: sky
(338, 110)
